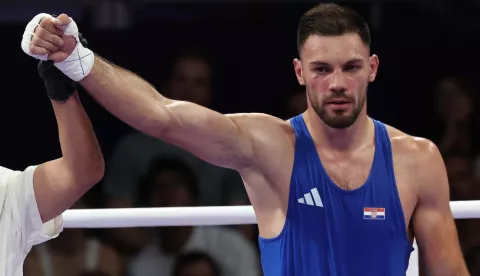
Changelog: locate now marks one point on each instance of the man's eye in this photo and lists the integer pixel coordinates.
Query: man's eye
(352, 68)
(321, 69)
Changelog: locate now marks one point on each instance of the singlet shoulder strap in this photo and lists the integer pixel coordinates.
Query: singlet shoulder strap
(302, 135)
(383, 144)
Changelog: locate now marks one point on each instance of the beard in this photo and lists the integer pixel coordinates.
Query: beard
(338, 119)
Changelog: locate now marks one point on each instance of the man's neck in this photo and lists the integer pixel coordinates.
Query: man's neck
(341, 140)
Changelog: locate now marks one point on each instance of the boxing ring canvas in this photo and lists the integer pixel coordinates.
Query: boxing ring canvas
(197, 216)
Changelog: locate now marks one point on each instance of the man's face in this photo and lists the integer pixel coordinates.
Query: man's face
(191, 81)
(336, 71)
(170, 190)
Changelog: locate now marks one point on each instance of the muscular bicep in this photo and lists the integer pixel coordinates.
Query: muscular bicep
(433, 222)
(216, 138)
(436, 234)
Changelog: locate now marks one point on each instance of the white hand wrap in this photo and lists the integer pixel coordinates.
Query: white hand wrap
(76, 66)
(80, 62)
(30, 32)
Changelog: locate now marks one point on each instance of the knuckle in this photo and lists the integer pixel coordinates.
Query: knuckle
(59, 31)
(57, 40)
(52, 47)
(35, 40)
(45, 22)
(40, 31)
(33, 49)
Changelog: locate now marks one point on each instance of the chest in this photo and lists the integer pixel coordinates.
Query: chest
(348, 175)
(348, 171)
(353, 171)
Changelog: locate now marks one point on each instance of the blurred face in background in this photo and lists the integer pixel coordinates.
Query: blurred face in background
(170, 190)
(198, 268)
(452, 102)
(460, 176)
(191, 81)
(336, 71)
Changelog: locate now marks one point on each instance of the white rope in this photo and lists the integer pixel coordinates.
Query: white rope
(183, 216)
(148, 217)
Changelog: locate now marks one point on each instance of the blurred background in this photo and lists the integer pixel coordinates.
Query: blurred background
(231, 56)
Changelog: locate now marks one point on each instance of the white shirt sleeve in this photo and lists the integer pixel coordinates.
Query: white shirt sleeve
(24, 210)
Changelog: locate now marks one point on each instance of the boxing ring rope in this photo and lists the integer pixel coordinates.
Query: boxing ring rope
(196, 216)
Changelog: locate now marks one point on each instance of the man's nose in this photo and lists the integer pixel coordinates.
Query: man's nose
(338, 82)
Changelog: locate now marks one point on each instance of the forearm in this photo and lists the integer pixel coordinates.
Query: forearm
(81, 153)
(442, 270)
(126, 95)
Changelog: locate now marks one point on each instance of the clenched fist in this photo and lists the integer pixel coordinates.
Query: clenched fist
(57, 39)
(49, 40)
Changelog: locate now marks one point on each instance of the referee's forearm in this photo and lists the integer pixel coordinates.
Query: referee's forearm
(80, 150)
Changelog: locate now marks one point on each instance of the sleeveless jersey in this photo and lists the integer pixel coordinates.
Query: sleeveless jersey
(329, 231)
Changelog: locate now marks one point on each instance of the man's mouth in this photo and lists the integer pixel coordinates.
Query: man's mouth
(339, 103)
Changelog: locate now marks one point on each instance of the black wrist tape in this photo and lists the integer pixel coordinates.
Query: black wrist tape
(59, 87)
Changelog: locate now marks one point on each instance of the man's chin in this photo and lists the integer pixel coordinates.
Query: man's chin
(339, 121)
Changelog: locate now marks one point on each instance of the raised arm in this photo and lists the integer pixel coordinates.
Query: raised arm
(433, 223)
(223, 140)
(58, 184)
(216, 138)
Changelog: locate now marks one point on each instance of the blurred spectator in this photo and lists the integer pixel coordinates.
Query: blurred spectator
(455, 124)
(195, 264)
(459, 167)
(463, 186)
(72, 253)
(249, 231)
(190, 80)
(170, 183)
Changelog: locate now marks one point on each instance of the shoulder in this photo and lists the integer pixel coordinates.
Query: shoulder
(5, 173)
(17, 178)
(260, 120)
(417, 155)
(418, 149)
(268, 135)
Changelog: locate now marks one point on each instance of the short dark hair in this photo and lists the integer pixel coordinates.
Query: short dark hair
(161, 164)
(328, 19)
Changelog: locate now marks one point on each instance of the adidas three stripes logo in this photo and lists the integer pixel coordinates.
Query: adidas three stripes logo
(311, 198)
